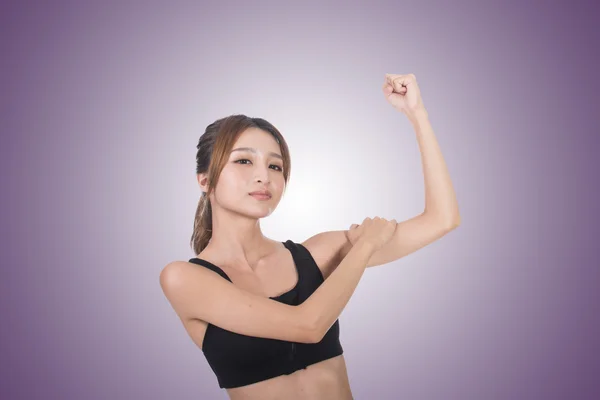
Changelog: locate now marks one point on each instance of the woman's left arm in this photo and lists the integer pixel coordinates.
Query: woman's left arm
(440, 213)
(440, 198)
(403, 93)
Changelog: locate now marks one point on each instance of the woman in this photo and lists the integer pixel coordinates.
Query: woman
(265, 312)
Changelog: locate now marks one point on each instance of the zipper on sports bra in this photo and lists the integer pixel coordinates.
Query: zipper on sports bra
(293, 352)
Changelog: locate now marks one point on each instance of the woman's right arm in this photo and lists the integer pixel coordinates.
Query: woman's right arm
(199, 293)
(327, 302)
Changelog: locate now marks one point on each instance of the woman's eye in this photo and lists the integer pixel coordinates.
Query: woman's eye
(272, 165)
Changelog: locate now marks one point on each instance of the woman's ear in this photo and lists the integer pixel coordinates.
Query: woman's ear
(202, 181)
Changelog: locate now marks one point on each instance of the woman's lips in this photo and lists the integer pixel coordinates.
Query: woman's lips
(260, 196)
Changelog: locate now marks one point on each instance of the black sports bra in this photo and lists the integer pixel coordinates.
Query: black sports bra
(239, 360)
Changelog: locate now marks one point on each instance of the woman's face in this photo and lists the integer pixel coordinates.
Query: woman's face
(254, 164)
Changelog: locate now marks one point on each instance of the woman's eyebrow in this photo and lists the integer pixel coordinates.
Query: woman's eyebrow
(253, 150)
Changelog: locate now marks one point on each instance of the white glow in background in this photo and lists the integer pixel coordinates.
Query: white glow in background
(103, 109)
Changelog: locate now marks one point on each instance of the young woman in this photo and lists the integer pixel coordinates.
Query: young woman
(264, 312)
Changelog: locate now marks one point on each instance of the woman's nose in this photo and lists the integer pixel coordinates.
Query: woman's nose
(261, 174)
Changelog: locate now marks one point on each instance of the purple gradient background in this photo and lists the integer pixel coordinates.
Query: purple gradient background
(102, 107)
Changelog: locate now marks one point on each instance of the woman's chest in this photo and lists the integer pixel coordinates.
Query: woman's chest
(273, 276)
(276, 281)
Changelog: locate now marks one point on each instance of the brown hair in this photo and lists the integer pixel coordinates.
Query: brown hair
(214, 147)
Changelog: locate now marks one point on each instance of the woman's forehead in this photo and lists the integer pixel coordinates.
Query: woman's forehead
(257, 141)
(257, 151)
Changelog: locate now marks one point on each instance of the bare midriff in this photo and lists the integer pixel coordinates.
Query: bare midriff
(325, 380)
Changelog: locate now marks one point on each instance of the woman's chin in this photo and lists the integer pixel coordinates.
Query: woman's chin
(262, 211)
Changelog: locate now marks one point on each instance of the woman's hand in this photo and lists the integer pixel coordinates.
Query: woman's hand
(403, 93)
(377, 231)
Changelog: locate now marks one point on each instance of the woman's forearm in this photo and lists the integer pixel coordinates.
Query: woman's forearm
(326, 304)
(440, 198)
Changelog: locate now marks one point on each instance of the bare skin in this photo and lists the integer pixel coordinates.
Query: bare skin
(260, 265)
(273, 275)
(265, 267)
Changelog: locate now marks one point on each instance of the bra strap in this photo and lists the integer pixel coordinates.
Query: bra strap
(210, 266)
